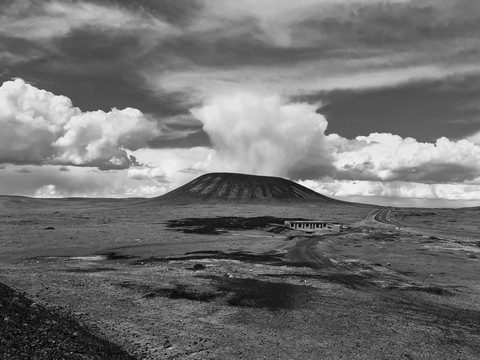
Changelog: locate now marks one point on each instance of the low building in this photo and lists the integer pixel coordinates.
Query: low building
(311, 226)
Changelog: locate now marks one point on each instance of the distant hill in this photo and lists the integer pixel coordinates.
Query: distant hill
(242, 188)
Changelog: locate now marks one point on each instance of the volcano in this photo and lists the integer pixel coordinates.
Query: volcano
(242, 188)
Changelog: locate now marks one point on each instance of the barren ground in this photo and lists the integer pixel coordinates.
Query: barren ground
(225, 282)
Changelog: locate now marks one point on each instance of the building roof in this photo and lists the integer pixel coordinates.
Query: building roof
(308, 221)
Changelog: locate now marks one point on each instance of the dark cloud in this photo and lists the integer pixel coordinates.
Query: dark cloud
(20, 8)
(426, 173)
(183, 131)
(101, 68)
(240, 49)
(196, 138)
(425, 111)
(343, 31)
(175, 12)
(102, 91)
(432, 173)
(390, 23)
(21, 50)
(105, 50)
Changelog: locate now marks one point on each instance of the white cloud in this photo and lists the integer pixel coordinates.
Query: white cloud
(180, 165)
(304, 77)
(149, 173)
(39, 127)
(145, 191)
(474, 138)
(100, 139)
(389, 157)
(47, 191)
(166, 169)
(251, 133)
(262, 134)
(53, 19)
(31, 120)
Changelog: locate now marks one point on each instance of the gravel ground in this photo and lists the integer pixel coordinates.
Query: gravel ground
(197, 282)
(31, 331)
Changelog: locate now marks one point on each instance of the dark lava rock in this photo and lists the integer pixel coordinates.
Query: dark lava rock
(198, 267)
(221, 224)
(30, 331)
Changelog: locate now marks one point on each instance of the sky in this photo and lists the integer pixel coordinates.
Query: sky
(365, 100)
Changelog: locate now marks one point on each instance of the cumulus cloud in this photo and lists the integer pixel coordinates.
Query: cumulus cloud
(262, 134)
(48, 191)
(474, 138)
(39, 128)
(100, 139)
(149, 173)
(265, 135)
(387, 157)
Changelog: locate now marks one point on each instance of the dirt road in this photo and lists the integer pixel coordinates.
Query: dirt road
(306, 253)
(385, 216)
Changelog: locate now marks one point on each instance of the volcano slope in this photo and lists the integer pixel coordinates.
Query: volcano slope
(186, 277)
(242, 189)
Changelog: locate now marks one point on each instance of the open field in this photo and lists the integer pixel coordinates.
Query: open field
(464, 220)
(226, 282)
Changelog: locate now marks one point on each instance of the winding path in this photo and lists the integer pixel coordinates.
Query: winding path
(385, 216)
(305, 250)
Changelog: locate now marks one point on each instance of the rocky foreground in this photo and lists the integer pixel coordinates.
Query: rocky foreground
(31, 331)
